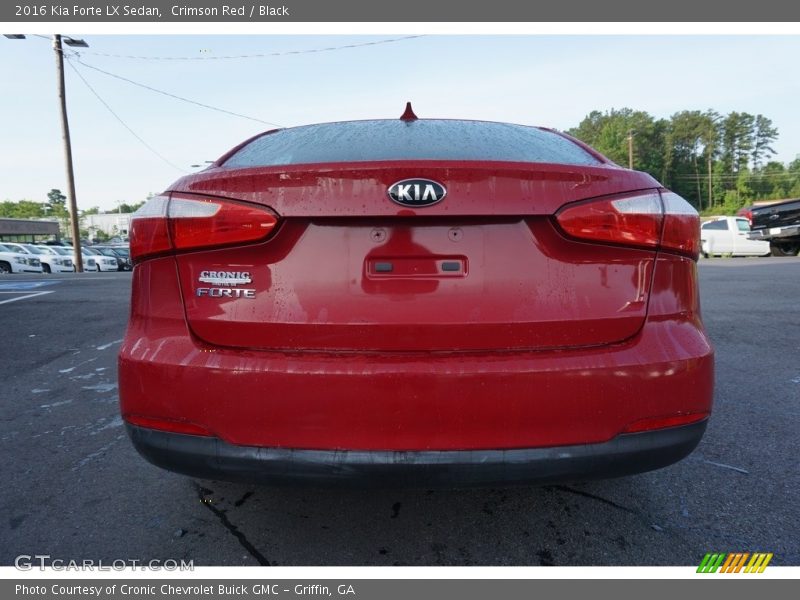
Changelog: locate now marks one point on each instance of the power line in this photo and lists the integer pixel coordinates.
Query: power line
(262, 55)
(775, 175)
(162, 92)
(118, 118)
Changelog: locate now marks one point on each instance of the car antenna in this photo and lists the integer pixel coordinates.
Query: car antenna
(408, 115)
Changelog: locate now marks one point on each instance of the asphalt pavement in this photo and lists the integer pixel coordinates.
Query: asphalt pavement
(74, 488)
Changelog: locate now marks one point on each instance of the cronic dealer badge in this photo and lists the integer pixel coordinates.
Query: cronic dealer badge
(224, 284)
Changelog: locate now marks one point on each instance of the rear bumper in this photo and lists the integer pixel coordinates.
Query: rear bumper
(212, 458)
(412, 404)
(777, 233)
(273, 400)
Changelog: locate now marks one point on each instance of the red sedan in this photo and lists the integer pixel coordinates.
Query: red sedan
(415, 301)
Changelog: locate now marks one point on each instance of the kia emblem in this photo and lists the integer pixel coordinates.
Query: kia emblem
(417, 192)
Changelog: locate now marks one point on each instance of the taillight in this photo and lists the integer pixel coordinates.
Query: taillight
(681, 226)
(643, 220)
(148, 232)
(747, 213)
(185, 222)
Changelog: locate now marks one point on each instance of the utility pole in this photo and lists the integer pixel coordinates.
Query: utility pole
(630, 149)
(73, 203)
(710, 198)
(62, 98)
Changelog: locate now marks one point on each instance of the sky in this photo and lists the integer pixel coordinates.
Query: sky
(548, 80)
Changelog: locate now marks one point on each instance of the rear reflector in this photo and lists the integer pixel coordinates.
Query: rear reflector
(185, 222)
(645, 220)
(652, 423)
(167, 425)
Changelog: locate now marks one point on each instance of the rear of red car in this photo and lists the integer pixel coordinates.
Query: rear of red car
(418, 302)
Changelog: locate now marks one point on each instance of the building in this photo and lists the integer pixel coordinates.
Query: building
(28, 230)
(112, 224)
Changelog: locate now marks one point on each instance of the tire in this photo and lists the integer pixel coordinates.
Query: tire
(97, 267)
(784, 249)
(5, 268)
(45, 268)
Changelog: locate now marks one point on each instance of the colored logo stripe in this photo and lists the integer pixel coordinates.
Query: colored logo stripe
(733, 562)
(710, 563)
(758, 563)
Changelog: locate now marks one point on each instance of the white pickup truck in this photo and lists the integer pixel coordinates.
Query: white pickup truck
(728, 235)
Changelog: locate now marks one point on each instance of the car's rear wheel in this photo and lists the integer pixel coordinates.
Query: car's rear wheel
(5, 268)
(97, 268)
(784, 249)
(45, 268)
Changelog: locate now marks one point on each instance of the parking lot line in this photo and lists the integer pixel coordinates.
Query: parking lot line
(24, 286)
(25, 297)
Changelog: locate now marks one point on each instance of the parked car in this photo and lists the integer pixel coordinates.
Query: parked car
(12, 261)
(418, 302)
(88, 260)
(51, 263)
(103, 262)
(728, 235)
(777, 223)
(120, 253)
(117, 241)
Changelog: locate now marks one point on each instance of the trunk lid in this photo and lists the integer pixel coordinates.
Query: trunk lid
(348, 270)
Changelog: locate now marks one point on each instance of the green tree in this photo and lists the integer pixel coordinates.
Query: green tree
(129, 208)
(770, 181)
(685, 169)
(608, 133)
(710, 140)
(737, 142)
(24, 209)
(715, 161)
(57, 203)
(57, 207)
(763, 136)
(793, 180)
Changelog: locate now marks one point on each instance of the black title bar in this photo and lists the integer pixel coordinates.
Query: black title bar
(459, 11)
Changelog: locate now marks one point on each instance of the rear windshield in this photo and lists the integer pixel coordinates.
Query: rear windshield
(424, 139)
